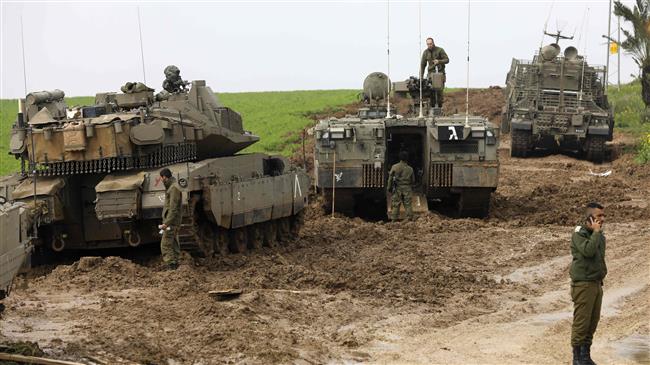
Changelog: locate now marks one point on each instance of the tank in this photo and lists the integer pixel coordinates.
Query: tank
(15, 242)
(95, 171)
(557, 101)
(454, 157)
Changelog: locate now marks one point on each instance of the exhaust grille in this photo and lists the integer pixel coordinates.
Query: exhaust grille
(440, 174)
(373, 177)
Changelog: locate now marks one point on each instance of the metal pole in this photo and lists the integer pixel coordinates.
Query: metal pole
(388, 55)
(467, 90)
(333, 181)
(618, 50)
(420, 52)
(609, 33)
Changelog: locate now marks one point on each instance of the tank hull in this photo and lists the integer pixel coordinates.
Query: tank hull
(89, 211)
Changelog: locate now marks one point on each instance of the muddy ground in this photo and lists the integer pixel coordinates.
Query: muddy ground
(438, 290)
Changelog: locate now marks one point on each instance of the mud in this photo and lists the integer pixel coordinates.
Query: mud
(437, 290)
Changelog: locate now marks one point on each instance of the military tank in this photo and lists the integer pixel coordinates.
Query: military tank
(454, 157)
(557, 102)
(15, 243)
(93, 171)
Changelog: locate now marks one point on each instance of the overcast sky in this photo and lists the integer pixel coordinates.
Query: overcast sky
(83, 47)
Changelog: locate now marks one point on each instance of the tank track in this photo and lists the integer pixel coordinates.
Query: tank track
(202, 238)
(595, 148)
(473, 203)
(521, 144)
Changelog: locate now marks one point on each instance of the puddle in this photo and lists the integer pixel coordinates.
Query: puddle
(635, 347)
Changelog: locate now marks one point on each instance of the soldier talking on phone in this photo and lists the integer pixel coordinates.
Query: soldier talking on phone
(587, 272)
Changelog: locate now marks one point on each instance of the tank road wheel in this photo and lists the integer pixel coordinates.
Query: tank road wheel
(238, 240)
(595, 148)
(297, 221)
(255, 236)
(221, 241)
(284, 229)
(270, 233)
(521, 144)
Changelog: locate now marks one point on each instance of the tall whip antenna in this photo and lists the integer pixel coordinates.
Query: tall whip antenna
(548, 17)
(388, 54)
(420, 51)
(22, 46)
(467, 89)
(144, 74)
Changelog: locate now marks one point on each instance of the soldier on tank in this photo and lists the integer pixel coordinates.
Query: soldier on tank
(173, 82)
(435, 58)
(400, 184)
(588, 269)
(171, 220)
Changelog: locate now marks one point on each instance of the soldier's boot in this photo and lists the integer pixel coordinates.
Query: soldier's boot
(171, 266)
(576, 355)
(585, 350)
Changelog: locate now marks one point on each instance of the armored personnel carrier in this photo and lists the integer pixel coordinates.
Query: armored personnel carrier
(557, 102)
(454, 157)
(95, 171)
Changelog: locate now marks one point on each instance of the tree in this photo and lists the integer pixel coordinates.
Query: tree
(637, 42)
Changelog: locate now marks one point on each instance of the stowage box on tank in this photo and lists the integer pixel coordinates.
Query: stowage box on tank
(95, 170)
(557, 102)
(454, 157)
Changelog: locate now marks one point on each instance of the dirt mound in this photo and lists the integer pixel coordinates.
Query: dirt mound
(487, 103)
(563, 203)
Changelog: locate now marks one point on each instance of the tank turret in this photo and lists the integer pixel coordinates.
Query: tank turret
(132, 129)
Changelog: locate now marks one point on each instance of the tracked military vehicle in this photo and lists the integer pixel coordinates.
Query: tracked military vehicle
(454, 157)
(557, 102)
(15, 243)
(94, 171)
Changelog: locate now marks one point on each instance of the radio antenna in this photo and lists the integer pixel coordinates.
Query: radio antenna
(144, 74)
(548, 17)
(388, 56)
(22, 46)
(467, 89)
(420, 50)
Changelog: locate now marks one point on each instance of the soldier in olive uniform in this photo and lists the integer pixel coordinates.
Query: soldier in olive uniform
(436, 59)
(400, 182)
(587, 272)
(172, 215)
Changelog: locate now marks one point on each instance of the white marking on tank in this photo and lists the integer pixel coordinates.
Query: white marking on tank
(453, 135)
(338, 176)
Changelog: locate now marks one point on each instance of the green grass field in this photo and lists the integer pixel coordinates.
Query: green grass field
(277, 117)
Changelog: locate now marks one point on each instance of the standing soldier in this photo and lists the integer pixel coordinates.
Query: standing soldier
(587, 272)
(172, 215)
(436, 59)
(400, 182)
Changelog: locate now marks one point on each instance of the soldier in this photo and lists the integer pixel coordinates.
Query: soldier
(400, 182)
(172, 215)
(436, 59)
(587, 272)
(173, 82)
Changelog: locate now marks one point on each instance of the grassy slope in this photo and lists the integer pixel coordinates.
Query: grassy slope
(274, 116)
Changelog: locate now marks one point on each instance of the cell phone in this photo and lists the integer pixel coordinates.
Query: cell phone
(590, 219)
